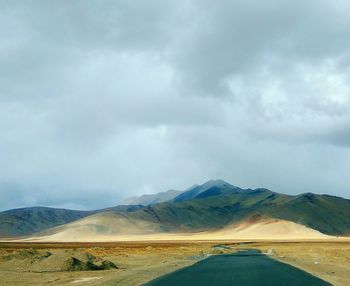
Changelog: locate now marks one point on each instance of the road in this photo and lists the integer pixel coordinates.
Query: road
(245, 268)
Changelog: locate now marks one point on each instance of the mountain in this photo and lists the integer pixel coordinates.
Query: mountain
(328, 214)
(101, 225)
(25, 221)
(210, 188)
(152, 199)
(210, 207)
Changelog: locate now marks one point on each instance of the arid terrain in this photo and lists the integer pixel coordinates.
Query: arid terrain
(134, 244)
(174, 143)
(88, 230)
(139, 262)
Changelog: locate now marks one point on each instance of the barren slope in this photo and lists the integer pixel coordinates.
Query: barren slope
(116, 227)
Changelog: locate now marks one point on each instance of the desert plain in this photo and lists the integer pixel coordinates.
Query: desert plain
(269, 238)
(45, 263)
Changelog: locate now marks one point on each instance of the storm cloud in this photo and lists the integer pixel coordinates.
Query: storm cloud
(102, 100)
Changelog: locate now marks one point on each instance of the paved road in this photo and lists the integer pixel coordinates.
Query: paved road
(245, 268)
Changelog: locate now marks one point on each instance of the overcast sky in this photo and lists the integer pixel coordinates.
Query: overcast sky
(102, 100)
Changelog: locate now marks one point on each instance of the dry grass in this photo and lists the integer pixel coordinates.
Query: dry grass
(139, 262)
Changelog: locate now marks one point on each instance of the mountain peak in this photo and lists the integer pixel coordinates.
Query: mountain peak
(216, 182)
(208, 189)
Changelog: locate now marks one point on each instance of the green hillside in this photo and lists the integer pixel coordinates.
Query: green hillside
(210, 206)
(328, 214)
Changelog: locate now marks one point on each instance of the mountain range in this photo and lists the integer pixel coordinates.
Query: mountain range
(215, 206)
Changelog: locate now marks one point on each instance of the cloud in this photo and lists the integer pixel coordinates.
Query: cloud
(239, 37)
(107, 99)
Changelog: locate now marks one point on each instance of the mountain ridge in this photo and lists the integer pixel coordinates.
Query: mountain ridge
(150, 199)
(212, 206)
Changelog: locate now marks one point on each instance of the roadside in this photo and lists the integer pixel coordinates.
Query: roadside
(140, 262)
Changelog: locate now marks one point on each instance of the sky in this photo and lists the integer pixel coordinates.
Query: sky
(103, 100)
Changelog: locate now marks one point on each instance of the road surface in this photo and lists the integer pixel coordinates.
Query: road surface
(245, 268)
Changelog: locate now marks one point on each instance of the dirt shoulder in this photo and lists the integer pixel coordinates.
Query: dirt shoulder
(138, 262)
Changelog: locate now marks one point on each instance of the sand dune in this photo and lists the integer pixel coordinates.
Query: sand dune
(98, 227)
(269, 228)
(116, 227)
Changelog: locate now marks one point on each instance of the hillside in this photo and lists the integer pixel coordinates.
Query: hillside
(268, 228)
(328, 214)
(25, 221)
(212, 206)
(112, 227)
(208, 189)
(99, 226)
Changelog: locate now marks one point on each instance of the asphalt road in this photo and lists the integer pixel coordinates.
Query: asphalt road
(245, 268)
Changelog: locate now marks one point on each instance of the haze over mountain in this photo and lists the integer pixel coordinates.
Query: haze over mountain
(177, 196)
(215, 206)
(152, 198)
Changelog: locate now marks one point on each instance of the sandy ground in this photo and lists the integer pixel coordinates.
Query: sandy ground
(139, 262)
(120, 229)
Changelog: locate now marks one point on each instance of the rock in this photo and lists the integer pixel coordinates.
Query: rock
(46, 254)
(107, 265)
(91, 266)
(74, 264)
(31, 254)
(25, 253)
